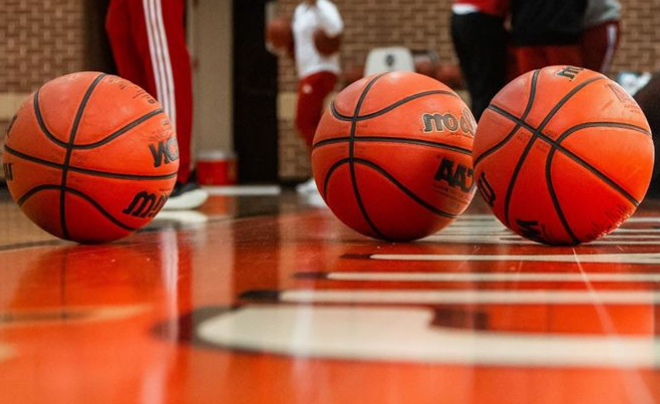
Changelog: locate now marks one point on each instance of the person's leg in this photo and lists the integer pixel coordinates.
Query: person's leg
(148, 43)
(167, 17)
(480, 43)
(125, 52)
(312, 91)
(598, 45)
(564, 55)
(530, 58)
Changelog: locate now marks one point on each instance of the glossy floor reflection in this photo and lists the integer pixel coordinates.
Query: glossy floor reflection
(268, 299)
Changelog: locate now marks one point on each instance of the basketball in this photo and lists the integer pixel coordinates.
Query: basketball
(279, 33)
(90, 157)
(450, 74)
(392, 156)
(563, 155)
(326, 45)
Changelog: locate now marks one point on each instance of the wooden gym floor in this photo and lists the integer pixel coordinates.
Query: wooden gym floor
(269, 299)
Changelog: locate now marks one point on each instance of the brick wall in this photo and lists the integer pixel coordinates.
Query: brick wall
(43, 39)
(639, 49)
(424, 24)
(39, 39)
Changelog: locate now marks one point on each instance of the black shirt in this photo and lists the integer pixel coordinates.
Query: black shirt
(547, 22)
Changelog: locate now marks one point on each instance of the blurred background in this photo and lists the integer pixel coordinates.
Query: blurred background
(244, 96)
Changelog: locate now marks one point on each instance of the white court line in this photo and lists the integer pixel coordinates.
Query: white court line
(184, 216)
(487, 216)
(498, 231)
(550, 297)
(490, 277)
(642, 219)
(245, 190)
(485, 230)
(511, 239)
(641, 258)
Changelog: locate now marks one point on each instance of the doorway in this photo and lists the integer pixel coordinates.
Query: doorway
(255, 95)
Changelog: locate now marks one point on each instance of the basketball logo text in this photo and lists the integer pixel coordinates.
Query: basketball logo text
(458, 177)
(486, 190)
(9, 175)
(621, 94)
(145, 204)
(165, 151)
(442, 122)
(569, 71)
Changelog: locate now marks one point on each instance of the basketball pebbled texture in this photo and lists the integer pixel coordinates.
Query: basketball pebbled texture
(563, 155)
(392, 156)
(90, 157)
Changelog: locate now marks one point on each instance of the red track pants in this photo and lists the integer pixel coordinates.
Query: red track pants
(149, 47)
(535, 57)
(598, 46)
(312, 91)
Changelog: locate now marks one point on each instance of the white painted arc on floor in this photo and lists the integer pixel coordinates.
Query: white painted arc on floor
(406, 334)
(631, 258)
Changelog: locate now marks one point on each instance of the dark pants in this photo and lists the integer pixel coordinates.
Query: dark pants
(480, 43)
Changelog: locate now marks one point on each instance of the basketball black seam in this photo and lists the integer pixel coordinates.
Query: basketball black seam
(405, 190)
(20, 201)
(389, 108)
(514, 177)
(42, 123)
(588, 166)
(574, 157)
(555, 199)
(69, 150)
(393, 180)
(94, 173)
(393, 140)
(120, 131)
(528, 108)
(535, 135)
(598, 124)
(329, 173)
(351, 151)
(31, 158)
(88, 198)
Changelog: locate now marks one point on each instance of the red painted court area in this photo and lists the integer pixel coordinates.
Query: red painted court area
(270, 300)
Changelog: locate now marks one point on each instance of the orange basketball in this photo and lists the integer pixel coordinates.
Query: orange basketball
(279, 33)
(326, 45)
(392, 156)
(90, 157)
(563, 155)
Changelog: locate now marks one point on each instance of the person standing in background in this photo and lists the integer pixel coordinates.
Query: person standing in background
(480, 41)
(149, 47)
(546, 33)
(601, 34)
(317, 72)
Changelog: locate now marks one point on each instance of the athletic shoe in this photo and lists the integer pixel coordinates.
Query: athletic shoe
(307, 187)
(186, 196)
